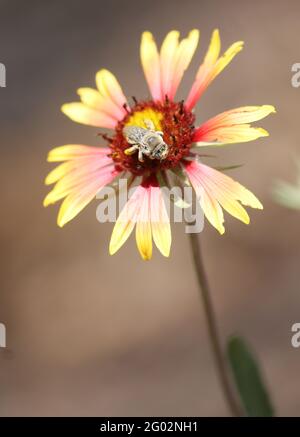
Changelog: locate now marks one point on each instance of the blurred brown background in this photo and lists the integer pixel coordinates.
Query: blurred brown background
(90, 334)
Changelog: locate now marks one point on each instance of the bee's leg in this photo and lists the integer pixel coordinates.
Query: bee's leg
(140, 156)
(131, 150)
(130, 141)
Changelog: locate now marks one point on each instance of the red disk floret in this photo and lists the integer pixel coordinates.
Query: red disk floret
(178, 127)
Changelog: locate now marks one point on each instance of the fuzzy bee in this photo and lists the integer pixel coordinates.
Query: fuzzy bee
(148, 142)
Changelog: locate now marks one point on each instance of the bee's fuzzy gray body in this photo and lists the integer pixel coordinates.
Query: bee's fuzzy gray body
(148, 142)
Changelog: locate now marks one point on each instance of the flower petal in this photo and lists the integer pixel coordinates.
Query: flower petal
(184, 55)
(227, 199)
(143, 232)
(151, 65)
(216, 189)
(244, 114)
(111, 90)
(125, 222)
(168, 53)
(211, 67)
(75, 151)
(58, 172)
(102, 108)
(145, 209)
(160, 223)
(81, 113)
(212, 210)
(175, 59)
(77, 177)
(240, 192)
(82, 195)
(210, 206)
(232, 134)
(80, 165)
(230, 127)
(86, 170)
(95, 100)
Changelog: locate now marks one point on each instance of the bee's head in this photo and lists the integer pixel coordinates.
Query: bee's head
(164, 152)
(161, 152)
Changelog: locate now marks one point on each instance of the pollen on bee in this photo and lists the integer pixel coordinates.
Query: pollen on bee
(129, 151)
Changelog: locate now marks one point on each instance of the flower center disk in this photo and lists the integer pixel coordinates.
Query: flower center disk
(172, 118)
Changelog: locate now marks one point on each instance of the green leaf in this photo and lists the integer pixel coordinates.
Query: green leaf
(228, 167)
(248, 379)
(287, 195)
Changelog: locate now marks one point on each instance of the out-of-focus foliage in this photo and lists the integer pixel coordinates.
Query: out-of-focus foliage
(287, 194)
(248, 379)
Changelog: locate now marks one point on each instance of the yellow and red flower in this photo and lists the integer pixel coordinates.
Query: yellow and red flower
(84, 170)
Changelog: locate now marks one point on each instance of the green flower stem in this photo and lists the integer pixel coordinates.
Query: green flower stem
(221, 364)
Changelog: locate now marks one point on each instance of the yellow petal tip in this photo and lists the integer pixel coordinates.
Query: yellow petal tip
(194, 32)
(103, 71)
(61, 218)
(48, 200)
(263, 132)
(79, 91)
(68, 109)
(147, 35)
(271, 108)
(112, 250)
(146, 257)
(60, 223)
